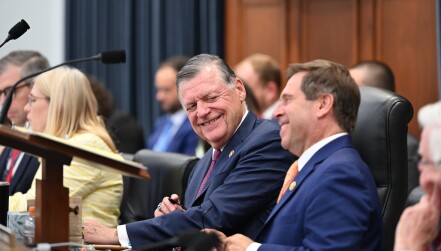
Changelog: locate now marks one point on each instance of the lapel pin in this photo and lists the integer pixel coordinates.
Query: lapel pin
(292, 186)
(231, 154)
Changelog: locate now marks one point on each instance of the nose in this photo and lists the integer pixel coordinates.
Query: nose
(278, 112)
(27, 108)
(202, 109)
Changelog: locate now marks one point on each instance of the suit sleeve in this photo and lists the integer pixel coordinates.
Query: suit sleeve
(250, 187)
(338, 215)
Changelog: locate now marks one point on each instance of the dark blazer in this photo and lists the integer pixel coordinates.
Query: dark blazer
(238, 196)
(334, 205)
(24, 175)
(184, 141)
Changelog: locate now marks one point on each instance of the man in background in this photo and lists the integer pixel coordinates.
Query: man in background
(262, 74)
(378, 74)
(16, 167)
(172, 131)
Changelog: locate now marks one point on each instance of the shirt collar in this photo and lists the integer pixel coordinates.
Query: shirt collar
(307, 155)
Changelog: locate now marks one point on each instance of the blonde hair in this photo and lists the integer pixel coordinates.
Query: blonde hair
(73, 107)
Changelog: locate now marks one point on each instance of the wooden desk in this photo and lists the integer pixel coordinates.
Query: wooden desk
(52, 199)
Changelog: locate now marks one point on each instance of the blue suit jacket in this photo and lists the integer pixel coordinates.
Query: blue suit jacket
(334, 205)
(238, 196)
(24, 175)
(184, 141)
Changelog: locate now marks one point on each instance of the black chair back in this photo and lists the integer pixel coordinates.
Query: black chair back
(380, 136)
(169, 174)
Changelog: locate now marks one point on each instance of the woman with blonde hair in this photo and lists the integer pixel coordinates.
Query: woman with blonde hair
(62, 104)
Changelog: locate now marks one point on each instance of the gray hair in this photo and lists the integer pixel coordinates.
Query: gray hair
(29, 62)
(196, 64)
(434, 138)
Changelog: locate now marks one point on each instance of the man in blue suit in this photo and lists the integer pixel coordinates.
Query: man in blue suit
(332, 202)
(16, 167)
(172, 131)
(233, 188)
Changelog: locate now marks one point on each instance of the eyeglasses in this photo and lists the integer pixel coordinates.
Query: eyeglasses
(32, 99)
(7, 89)
(426, 162)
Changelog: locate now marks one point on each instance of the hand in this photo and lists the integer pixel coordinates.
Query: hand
(166, 207)
(237, 242)
(219, 235)
(96, 233)
(418, 226)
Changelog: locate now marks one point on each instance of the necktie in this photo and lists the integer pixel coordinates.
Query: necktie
(12, 160)
(290, 176)
(164, 138)
(216, 154)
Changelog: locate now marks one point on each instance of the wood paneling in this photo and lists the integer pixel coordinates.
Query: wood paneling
(402, 33)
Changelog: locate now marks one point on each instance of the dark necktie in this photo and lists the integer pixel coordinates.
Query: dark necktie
(216, 154)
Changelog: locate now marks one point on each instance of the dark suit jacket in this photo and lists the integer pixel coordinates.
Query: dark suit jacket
(334, 205)
(184, 141)
(238, 196)
(24, 175)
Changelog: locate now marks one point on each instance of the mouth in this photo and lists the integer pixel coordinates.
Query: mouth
(210, 122)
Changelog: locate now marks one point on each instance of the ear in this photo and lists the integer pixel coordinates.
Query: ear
(326, 102)
(272, 92)
(240, 88)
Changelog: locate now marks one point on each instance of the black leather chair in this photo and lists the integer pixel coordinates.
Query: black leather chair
(169, 174)
(380, 136)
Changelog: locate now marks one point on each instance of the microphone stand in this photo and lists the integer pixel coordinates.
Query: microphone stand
(8, 99)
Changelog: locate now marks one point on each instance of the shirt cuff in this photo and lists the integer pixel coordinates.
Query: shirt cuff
(253, 246)
(123, 236)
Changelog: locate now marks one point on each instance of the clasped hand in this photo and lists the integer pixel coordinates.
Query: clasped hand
(168, 205)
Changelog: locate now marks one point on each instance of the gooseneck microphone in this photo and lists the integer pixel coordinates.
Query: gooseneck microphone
(107, 57)
(16, 31)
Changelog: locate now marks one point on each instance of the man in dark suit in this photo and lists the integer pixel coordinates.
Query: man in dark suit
(18, 168)
(329, 199)
(172, 131)
(234, 186)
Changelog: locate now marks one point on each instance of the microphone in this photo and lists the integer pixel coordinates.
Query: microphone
(107, 57)
(194, 240)
(16, 31)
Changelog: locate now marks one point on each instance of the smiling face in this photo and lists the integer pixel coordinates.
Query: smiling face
(296, 115)
(213, 108)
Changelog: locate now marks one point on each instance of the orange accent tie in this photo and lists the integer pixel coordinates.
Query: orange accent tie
(290, 176)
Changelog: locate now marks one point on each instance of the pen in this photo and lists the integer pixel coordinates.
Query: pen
(175, 203)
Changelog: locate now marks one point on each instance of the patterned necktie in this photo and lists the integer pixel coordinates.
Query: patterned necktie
(12, 160)
(290, 176)
(216, 154)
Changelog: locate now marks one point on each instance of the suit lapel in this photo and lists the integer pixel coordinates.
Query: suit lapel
(309, 168)
(3, 160)
(232, 146)
(22, 168)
